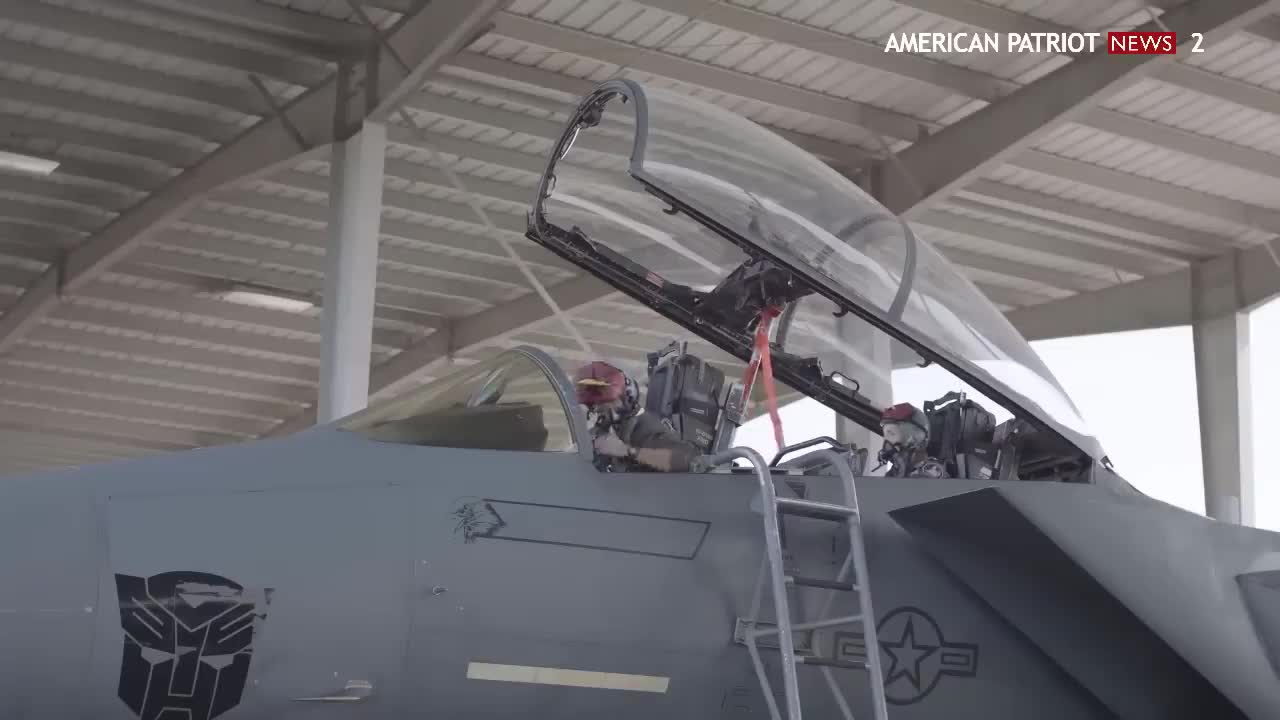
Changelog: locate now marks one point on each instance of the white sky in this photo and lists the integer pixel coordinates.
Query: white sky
(1137, 392)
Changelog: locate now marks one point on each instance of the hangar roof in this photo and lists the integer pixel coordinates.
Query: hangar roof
(128, 274)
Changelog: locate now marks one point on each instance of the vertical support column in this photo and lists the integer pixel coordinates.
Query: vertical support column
(1220, 332)
(355, 206)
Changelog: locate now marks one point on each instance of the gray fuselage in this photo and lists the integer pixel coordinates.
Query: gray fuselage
(409, 573)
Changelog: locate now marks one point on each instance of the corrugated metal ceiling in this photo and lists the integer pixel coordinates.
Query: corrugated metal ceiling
(126, 94)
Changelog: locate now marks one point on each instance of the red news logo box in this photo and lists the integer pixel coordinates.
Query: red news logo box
(1142, 43)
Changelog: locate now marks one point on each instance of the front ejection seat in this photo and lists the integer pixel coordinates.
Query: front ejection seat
(692, 397)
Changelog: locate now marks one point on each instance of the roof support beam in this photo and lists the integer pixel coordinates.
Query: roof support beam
(201, 128)
(140, 390)
(31, 241)
(62, 194)
(244, 100)
(955, 78)
(423, 205)
(13, 443)
(396, 6)
(1180, 238)
(423, 41)
(157, 436)
(94, 366)
(549, 130)
(1016, 237)
(981, 86)
(185, 301)
(1008, 297)
(1130, 262)
(205, 353)
(427, 280)
(1154, 302)
(1048, 277)
(986, 16)
(419, 205)
(284, 29)
(297, 351)
(1221, 87)
(131, 409)
(131, 35)
(64, 425)
(1156, 237)
(426, 309)
(837, 153)
(576, 42)
(134, 177)
(1184, 141)
(466, 269)
(512, 193)
(1174, 196)
(79, 219)
(936, 166)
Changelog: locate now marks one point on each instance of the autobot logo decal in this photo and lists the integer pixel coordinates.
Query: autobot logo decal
(914, 654)
(188, 640)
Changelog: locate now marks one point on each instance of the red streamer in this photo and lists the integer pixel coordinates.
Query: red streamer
(760, 360)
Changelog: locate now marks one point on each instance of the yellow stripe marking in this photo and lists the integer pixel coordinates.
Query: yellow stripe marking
(566, 677)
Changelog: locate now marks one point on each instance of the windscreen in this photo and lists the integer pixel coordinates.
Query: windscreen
(744, 182)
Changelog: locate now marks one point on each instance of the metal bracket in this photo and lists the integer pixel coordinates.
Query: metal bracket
(1271, 250)
(342, 98)
(280, 114)
(742, 627)
(372, 66)
(896, 161)
(381, 37)
(60, 276)
(450, 339)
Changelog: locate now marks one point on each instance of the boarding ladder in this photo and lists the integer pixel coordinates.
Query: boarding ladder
(772, 569)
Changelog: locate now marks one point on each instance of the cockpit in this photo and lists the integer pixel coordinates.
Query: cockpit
(523, 400)
(734, 244)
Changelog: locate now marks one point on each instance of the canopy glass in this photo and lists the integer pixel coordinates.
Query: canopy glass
(687, 189)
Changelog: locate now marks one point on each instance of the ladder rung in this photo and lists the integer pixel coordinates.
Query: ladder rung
(829, 662)
(798, 627)
(814, 509)
(842, 585)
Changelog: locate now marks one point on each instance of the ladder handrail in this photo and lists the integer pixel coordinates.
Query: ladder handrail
(777, 579)
(880, 708)
(784, 628)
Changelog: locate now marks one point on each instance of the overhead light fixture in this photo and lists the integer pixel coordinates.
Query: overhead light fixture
(27, 163)
(268, 301)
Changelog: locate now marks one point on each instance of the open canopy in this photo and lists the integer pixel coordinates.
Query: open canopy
(651, 184)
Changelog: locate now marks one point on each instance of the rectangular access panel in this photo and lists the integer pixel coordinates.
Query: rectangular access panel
(274, 602)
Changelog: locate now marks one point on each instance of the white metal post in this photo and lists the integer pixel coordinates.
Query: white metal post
(355, 201)
(1220, 332)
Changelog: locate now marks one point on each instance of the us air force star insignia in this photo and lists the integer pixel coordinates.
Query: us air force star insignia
(906, 656)
(915, 654)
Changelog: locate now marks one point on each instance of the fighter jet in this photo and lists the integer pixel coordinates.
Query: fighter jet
(463, 551)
